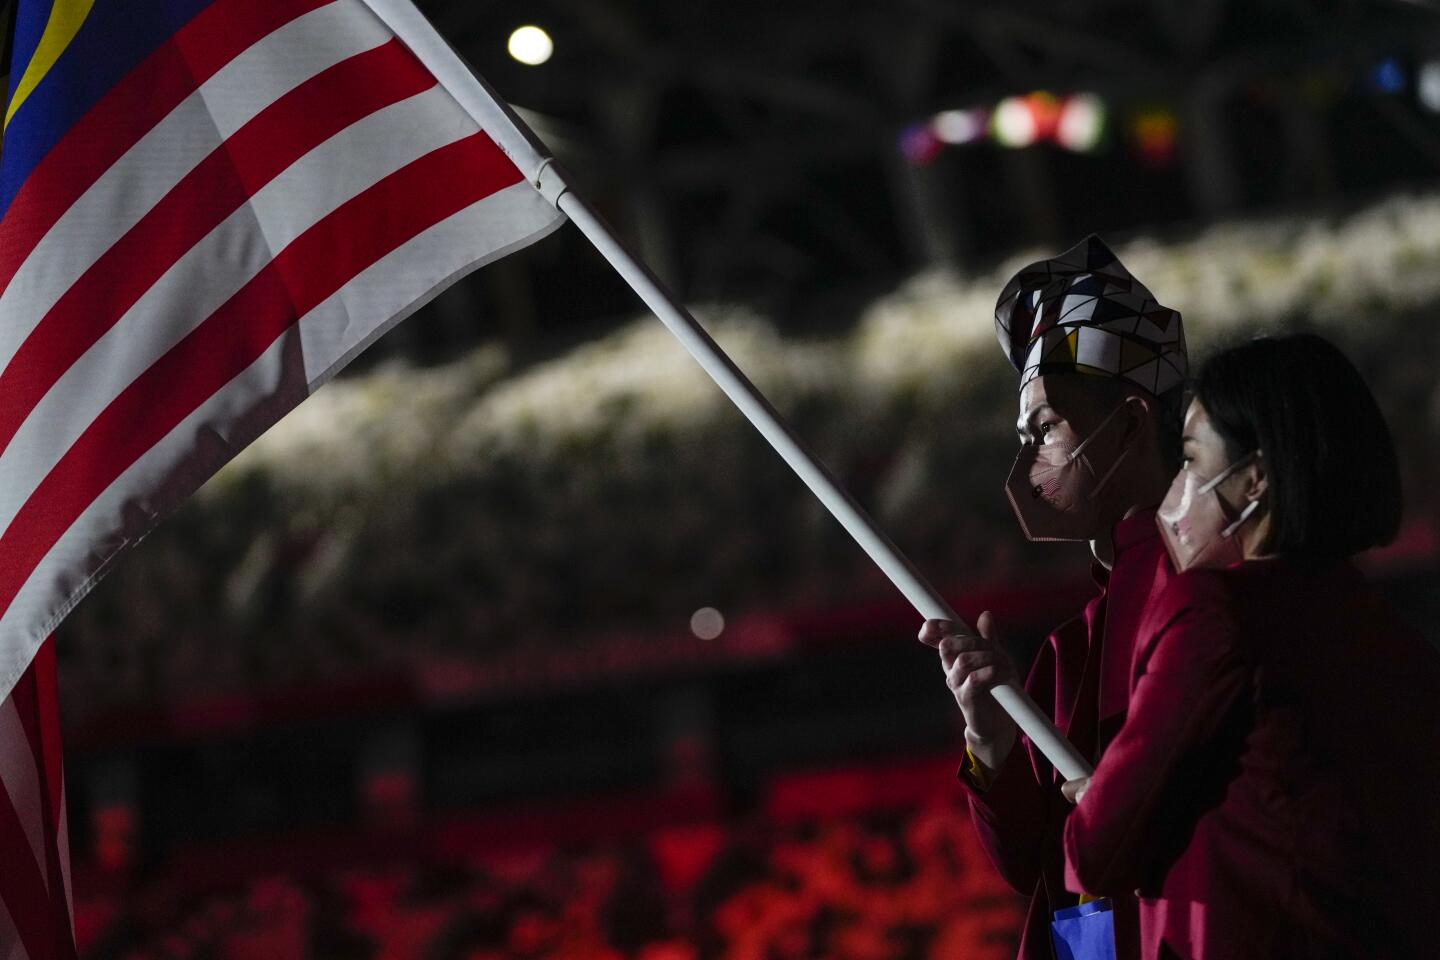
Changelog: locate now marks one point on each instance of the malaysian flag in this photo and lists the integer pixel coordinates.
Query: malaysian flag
(207, 207)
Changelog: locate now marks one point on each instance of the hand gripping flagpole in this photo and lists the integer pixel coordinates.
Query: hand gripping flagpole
(512, 135)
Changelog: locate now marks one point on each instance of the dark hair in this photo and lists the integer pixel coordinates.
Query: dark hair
(1333, 479)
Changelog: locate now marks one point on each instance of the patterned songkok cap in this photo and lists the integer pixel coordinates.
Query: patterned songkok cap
(1082, 312)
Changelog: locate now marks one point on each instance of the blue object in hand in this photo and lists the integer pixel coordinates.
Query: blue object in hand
(1086, 932)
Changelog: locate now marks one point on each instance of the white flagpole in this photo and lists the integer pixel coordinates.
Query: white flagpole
(692, 336)
(528, 153)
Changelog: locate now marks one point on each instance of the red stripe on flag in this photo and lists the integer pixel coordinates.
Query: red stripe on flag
(254, 155)
(42, 726)
(22, 886)
(303, 275)
(36, 696)
(45, 931)
(197, 51)
(37, 703)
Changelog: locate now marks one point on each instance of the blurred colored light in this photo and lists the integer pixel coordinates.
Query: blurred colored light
(114, 836)
(707, 623)
(1427, 86)
(1388, 76)
(530, 45)
(1045, 111)
(919, 144)
(958, 126)
(1013, 123)
(1155, 133)
(1082, 123)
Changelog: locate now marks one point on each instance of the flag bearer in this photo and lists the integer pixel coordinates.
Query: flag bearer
(1102, 367)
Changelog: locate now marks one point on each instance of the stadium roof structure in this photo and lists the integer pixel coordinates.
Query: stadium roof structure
(752, 150)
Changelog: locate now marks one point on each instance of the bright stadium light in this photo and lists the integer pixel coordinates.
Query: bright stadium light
(1082, 123)
(707, 623)
(958, 126)
(1427, 86)
(1014, 123)
(530, 45)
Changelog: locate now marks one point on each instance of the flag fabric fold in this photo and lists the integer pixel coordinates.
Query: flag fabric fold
(35, 901)
(207, 208)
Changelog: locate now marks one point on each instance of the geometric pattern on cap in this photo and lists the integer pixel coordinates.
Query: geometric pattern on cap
(1083, 312)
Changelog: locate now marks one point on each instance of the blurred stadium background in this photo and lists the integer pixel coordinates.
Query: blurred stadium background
(515, 642)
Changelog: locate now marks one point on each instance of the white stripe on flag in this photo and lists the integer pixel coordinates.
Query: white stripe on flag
(372, 302)
(126, 191)
(102, 529)
(22, 781)
(207, 276)
(406, 21)
(350, 319)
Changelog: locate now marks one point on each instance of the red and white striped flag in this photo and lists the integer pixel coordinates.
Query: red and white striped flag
(207, 207)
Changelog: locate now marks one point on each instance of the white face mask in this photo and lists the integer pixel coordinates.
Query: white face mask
(1193, 523)
(1053, 488)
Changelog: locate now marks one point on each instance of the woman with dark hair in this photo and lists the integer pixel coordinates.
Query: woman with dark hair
(1274, 790)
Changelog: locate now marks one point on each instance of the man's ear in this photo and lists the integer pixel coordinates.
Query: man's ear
(1137, 420)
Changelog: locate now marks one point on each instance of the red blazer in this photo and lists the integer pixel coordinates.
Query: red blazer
(1082, 672)
(1275, 791)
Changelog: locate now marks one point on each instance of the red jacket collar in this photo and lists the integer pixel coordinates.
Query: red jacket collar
(1131, 532)
(1134, 530)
